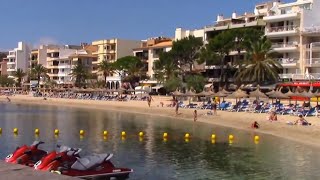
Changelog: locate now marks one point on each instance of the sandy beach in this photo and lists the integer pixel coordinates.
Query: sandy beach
(240, 120)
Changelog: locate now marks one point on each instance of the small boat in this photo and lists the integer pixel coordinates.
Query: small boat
(95, 166)
(27, 155)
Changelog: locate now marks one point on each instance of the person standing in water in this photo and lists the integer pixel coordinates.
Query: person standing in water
(195, 115)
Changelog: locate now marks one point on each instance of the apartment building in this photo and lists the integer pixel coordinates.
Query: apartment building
(59, 63)
(39, 55)
(110, 50)
(294, 29)
(85, 58)
(247, 20)
(18, 58)
(183, 33)
(150, 50)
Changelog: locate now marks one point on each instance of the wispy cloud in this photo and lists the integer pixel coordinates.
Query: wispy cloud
(45, 41)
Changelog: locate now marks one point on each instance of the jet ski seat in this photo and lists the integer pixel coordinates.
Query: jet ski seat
(88, 162)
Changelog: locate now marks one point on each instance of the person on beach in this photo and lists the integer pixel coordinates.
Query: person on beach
(273, 116)
(255, 125)
(302, 121)
(149, 98)
(195, 115)
(177, 106)
(214, 107)
(8, 99)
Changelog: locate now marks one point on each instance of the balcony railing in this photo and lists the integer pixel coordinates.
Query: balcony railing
(287, 60)
(281, 29)
(284, 45)
(311, 30)
(300, 76)
(313, 61)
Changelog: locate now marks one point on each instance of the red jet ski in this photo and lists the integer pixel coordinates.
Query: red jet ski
(95, 166)
(63, 157)
(26, 155)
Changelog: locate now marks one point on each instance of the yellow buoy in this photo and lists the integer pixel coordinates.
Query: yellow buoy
(165, 139)
(37, 131)
(15, 130)
(56, 131)
(231, 137)
(256, 138)
(187, 135)
(230, 142)
(256, 141)
(123, 133)
(141, 134)
(165, 135)
(213, 136)
(140, 139)
(81, 132)
(105, 133)
(0, 130)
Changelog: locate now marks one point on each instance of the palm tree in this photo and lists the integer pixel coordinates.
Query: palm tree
(19, 74)
(259, 65)
(39, 71)
(106, 68)
(81, 74)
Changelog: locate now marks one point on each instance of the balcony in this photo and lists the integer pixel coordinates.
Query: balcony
(232, 25)
(64, 74)
(282, 17)
(62, 66)
(313, 62)
(314, 47)
(288, 62)
(11, 62)
(285, 47)
(311, 31)
(282, 31)
(300, 76)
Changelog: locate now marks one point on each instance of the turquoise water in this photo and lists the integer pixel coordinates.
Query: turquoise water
(153, 158)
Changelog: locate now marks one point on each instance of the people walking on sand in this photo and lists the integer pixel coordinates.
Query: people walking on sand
(177, 106)
(195, 115)
(149, 98)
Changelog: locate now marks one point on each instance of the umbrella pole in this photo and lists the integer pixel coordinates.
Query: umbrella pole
(317, 101)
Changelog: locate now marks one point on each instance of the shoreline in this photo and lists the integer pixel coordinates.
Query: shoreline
(237, 120)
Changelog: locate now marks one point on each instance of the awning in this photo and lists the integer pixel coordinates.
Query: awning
(208, 85)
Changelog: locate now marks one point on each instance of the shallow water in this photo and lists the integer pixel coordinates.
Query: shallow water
(154, 158)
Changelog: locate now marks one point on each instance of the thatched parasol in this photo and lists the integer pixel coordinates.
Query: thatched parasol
(190, 93)
(278, 95)
(257, 94)
(238, 94)
(270, 93)
(177, 93)
(225, 91)
(204, 93)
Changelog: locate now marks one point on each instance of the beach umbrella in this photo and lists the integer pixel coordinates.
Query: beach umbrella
(225, 91)
(270, 93)
(190, 93)
(278, 95)
(177, 93)
(204, 93)
(257, 94)
(238, 94)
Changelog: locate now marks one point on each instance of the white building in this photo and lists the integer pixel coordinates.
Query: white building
(183, 33)
(59, 64)
(294, 30)
(18, 58)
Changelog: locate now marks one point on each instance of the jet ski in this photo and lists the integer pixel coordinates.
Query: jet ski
(27, 155)
(95, 166)
(63, 157)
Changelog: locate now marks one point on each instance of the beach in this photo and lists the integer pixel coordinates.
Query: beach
(239, 120)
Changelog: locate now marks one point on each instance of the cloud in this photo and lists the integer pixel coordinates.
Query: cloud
(45, 41)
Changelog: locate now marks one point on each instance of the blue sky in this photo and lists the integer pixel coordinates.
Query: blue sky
(75, 21)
